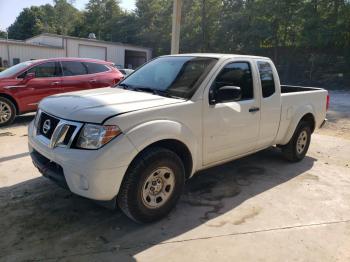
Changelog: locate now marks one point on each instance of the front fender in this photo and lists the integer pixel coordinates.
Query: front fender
(150, 132)
(295, 119)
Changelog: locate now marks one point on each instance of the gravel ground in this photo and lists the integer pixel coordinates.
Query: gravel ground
(259, 208)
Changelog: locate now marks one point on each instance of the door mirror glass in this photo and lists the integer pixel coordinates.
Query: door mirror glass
(225, 94)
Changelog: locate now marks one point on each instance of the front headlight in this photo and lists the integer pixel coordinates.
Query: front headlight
(95, 136)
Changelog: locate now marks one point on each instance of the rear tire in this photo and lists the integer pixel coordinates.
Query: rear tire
(298, 145)
(7, 111)
(152, 185)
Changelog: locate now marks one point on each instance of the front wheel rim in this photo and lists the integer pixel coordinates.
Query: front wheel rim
(301, 142)
(5, 112)
(158, 187)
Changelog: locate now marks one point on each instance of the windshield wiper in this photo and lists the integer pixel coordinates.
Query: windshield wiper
(153, 91)
(125, 86)
(148, 90)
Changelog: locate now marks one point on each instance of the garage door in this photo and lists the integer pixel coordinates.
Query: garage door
(95, 52)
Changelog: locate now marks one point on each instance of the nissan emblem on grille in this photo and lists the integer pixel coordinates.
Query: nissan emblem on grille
(46, 126)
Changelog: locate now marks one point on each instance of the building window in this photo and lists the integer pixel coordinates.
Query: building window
(0, 61)
(15, 61)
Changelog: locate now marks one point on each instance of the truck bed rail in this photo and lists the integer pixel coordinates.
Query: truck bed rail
(292, 89)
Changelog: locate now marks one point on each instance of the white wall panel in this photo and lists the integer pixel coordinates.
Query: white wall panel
(114, 52)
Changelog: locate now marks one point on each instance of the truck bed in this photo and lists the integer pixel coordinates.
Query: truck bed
(296, 98)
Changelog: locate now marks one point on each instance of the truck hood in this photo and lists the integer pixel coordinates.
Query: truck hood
(96, 105)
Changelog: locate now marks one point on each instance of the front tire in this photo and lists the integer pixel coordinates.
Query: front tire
(152, 185)
(298, 145)
(7, 111)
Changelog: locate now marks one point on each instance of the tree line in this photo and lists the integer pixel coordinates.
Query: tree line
(304, 37)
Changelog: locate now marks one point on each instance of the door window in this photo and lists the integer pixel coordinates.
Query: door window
(72, 68)
(49, 69)
(94, 68)
(266, 78)
(236, 74)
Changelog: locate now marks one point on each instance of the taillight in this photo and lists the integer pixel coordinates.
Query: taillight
(327, 104)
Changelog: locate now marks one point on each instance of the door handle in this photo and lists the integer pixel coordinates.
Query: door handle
(93, 81)
(254, 109)
(55, 83)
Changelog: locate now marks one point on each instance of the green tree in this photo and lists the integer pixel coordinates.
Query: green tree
(99, 18)
(28, 23)
(154, 21)
(64, 17)
(3, 34)
(60, 18)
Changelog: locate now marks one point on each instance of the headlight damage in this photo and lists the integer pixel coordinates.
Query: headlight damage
(96, 136)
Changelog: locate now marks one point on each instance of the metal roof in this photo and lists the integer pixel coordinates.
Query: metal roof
(87, 39)
(21, 42)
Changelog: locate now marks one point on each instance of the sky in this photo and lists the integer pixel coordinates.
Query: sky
(10, 9)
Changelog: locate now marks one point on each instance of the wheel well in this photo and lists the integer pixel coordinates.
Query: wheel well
(309, 118)
(180, 149)
(12, 100)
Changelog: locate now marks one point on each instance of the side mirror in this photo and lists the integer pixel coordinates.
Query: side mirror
(28, 77)
(225, 94)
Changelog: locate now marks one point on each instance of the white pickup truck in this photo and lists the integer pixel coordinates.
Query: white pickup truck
(136, 144)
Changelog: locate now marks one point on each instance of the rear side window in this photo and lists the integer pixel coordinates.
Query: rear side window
(266, 78)
(94, 68)
(49, 69)
(72, 68)
(237, 74)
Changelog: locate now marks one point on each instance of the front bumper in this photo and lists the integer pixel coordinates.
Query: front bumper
(49, 169)
(94, 174)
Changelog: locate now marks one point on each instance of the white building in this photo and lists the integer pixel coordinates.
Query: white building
(51, 45)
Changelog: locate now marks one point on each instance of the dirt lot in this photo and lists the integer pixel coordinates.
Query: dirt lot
(259, 208)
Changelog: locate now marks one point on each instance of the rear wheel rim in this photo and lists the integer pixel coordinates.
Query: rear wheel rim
(158, 187)
(5, 112)
(301, 142)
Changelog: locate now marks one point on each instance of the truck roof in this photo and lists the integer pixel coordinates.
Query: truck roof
(218, 55)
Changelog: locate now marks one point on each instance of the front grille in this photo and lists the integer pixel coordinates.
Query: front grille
(69, 134)
(59, 132)
(47, 125)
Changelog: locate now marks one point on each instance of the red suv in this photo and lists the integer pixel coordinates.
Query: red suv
(23, 86)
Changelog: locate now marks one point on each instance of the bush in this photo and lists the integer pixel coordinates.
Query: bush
(2, 69)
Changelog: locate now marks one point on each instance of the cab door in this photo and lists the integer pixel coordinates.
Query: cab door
(270, 102)
(46, 82)
(75, 76)
(231, 128)
(101, 75)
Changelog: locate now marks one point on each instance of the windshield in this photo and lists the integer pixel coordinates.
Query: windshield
(15, 69)
(177, 76)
